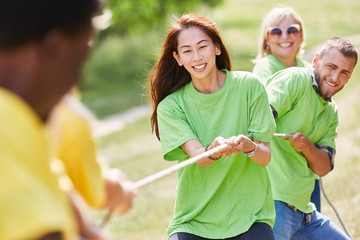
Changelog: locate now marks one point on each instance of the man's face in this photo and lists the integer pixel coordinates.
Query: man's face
(75, 56)
(61, 69)
(332, 72)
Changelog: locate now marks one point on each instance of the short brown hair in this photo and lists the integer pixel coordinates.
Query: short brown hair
(341, 44)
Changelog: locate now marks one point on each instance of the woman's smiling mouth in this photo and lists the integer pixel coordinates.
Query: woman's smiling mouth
(199, 67)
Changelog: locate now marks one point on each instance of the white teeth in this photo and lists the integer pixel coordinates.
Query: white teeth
(331, 84)
(285, 44)
(200, 66)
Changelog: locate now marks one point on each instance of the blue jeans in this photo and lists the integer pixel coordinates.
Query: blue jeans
(315, 196)
(290, 224)
(258, 231)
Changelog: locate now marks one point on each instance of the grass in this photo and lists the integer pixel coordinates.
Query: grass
(138, 153)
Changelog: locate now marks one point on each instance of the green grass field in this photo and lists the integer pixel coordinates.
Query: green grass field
(137, 152)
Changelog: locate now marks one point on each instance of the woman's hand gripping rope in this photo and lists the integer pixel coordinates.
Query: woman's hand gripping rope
(167, 171)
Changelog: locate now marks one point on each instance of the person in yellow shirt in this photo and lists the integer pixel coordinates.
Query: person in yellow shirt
(43, 45)
(99, 186)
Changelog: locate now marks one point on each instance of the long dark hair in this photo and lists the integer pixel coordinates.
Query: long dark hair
(167, 76)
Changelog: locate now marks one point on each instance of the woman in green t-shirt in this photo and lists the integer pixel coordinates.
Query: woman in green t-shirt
(199, 104)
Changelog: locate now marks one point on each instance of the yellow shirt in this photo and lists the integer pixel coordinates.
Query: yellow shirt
(76, 148)
(31, 201)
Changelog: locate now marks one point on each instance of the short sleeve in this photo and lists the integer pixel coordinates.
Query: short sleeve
(76, 148)
(284, 90)
(174, 129)
(329, 138)
(262, 123)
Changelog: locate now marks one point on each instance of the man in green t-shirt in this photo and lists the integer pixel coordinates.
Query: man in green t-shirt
(302, 106)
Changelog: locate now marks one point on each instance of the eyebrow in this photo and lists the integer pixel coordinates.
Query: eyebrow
(185, 46)
(343, 70)
(346, 71)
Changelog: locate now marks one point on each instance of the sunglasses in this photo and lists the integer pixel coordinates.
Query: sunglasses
(277, 31)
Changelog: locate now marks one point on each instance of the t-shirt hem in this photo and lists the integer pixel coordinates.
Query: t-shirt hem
(224, 236)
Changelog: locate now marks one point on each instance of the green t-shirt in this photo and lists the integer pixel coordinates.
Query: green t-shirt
(224, 199)
(300, 109)
(269, 65)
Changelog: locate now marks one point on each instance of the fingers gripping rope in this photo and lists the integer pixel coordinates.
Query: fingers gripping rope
(176, 167)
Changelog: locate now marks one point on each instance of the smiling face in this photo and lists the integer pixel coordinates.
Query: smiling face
(332, 71)
(285, 46)
(197, 53)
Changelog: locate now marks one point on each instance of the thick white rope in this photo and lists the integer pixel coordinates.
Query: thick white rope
(176, 167)
(167, 171)
(172, 169)
(188, 162)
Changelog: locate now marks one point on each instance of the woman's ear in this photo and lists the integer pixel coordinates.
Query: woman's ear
(217, 50)
(177, 58)
(301, 37)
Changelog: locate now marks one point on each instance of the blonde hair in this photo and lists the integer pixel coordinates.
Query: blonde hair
(273, 18)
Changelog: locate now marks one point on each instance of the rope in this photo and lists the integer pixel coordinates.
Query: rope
(165, 172)
(333, 208)
(82, 108)
(176, 167)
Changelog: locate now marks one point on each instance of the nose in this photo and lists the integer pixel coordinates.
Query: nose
(335, 76)
(284, 34)
(197, 56)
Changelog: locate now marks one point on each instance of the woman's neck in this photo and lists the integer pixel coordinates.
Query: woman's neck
(289, 62)
(212, 83)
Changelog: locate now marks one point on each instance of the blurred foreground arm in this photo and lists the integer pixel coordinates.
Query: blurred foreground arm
(120, 192)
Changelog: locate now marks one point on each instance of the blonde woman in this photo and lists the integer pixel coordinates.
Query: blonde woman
(281, 42)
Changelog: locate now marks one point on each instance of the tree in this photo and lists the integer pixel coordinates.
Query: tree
(131, 16)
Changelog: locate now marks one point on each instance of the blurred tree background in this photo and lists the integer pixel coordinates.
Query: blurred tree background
(123, 53)
(134, 16)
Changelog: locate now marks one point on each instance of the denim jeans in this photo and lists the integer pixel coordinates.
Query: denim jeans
(258, 231)
(290, 224)
(315, 196)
